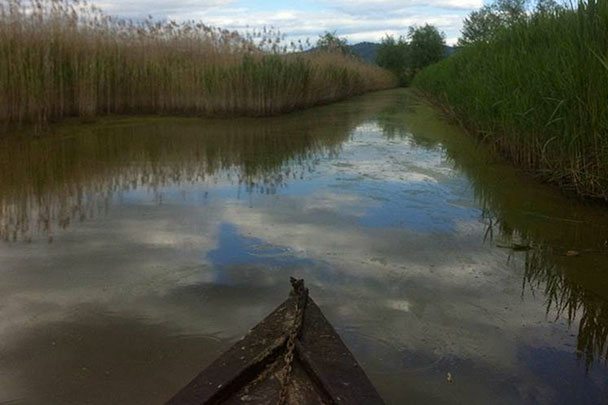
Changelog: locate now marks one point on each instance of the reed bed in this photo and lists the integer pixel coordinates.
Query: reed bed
(61, 58)
(539, 92)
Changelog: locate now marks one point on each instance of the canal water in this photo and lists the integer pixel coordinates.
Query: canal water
(135, 250)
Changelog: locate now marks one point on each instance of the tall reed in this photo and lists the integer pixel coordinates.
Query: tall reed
(538, 91)
(63, 58)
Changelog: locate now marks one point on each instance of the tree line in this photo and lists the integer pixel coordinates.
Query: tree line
(407, 55)
(421, 46)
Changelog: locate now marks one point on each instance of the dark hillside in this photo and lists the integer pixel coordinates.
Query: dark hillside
(368, 50)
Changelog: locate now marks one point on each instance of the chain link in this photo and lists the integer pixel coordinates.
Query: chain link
(293, 333)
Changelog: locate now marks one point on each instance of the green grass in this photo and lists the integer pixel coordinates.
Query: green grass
(539, 92)
(59, 58)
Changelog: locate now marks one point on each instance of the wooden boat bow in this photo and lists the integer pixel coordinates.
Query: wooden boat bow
(293, 356)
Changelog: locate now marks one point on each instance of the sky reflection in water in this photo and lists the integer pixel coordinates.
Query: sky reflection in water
(136, 250)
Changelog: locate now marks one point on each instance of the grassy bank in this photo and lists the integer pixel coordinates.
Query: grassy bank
(60, 58)
(539, 92)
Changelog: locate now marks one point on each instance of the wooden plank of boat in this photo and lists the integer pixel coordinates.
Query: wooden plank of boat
(294, 356)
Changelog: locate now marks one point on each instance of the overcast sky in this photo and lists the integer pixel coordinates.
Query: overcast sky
(357, 20)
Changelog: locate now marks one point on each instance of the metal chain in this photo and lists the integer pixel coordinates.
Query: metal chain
(293, 333)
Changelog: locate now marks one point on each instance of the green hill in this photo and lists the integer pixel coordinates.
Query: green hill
(365, 50)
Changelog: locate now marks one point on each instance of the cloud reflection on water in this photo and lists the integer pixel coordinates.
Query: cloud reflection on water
(198, 250)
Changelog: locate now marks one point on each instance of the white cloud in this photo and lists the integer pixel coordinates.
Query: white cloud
(305, 24)
(404, 4)
(357, 20)
(140, 8)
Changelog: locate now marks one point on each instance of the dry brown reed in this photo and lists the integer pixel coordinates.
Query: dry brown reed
(62, 58)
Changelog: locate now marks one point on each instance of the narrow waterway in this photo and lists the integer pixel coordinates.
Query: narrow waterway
(133, 251)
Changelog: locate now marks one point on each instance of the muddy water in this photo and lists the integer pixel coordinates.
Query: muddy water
(136, 250)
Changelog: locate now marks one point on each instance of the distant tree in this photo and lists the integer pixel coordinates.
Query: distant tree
(479, 26)
(405, 56)
(330, 42)
(511, 10)
(426, 46)
(392, 55)
(482, 25)
(547, 6)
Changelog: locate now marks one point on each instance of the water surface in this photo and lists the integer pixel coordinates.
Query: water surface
(136, 250)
